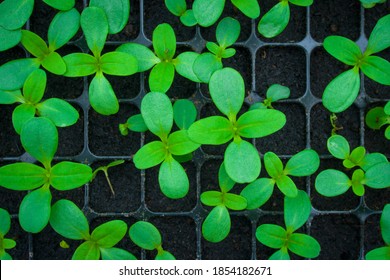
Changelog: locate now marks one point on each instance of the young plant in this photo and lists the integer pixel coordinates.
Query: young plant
(216, 226)
(342, 91)
(378, 117)
(163, 63)
(242, 160)
(371, 3)
(147, 236)
(59, 111)
(179, 8)
(304, 163)
(39, 138)
(275, 20)
(62, 5)
(207, 63)
(69, 221)
(104, 169)
(274, 93)
(96, 26)
(382, 253)
(157, 112)
(5, 243)
(296, 213)
(134, 123)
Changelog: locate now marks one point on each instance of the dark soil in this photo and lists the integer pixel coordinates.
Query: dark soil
(372, 233)
(10, 140)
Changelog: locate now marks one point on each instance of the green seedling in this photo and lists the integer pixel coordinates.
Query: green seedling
(371, 3)
(59, 111)
(274, 93)
(296, 213)
(135, 123)
(305, 163)
(275, 20)
(242, 160)
(5, 243)
(157, 112)
(162, 63)
(11, 22)
(95, 25)
(382, 253)
(378, 117)
(104, 169)
(342, 91)
(207, 63)
(62, 5)
(147, 236)
(70, 222)
(216, 226)
(179, 8)
(39, 138)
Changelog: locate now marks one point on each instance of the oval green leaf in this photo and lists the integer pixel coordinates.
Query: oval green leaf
(161, 77)
(54, 63)
(287, 186)
(332, 182)
(213, 130)
(275, 20)
(10, 38)
(378, 176)
(205, 65)
(5, 222)
(382, 253)
(145, 57)
(173, 179)
(11, 97)
(15, 13)
(207, 12)
(225, 182)
(273, 165)
(272, 236)
(69, 175)
(21, 115)
(117, 12)
(150, 155)
(380, 37)
(188, 18)
(258, 192)
(377, 69)
(296, 211)
(145, 235)
(211, 198)
(250, 8)
(22, 176)
(385, 224)
(343, 49)
(94, 24)
(216, 226)
(180, 144)
(164, 41)
(14, 73)
(227, 32)
(62, 5)
(277, 92)
(116, 254)
(59, 111)
(35, 85)
(118, 64)
(176, 7)
(63, 28)
(102, 97)
(304, 245)
(304, 163)
(87, 251)
(184, 113)
(34, 44)
(80, 65)
(234, 201)
(109, 234)
(338, 146)
(184, 65)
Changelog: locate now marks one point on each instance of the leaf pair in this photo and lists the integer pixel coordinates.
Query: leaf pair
(242, 160)
(147, 236)
(5, 243)
(157, 112)
(342, 91)
(69, 221)
(216, 226)
(274, 93)
(378, 117)
(296, 212)
(39, 138)
(179, 8)
(60, 112)
(382, 253)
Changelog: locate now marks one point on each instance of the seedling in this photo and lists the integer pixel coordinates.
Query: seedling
(70, 222)
(62, 5)
(157, 112)
(342, 91)
(382, 253)
(147, 236)
(59, 111)
(378, 117)
(296, 213)
(216, 226)
(179, 8)
(242, 160)
(162, 63)
(274, 93)
(104, 169)
(371, 3)
(39, 138)
(275, 20)
(5, 243)
(207, 63)
(134, 123)
(305, 163)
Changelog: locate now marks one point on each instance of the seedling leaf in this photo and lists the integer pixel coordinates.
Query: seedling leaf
(304, 163)
(273, 165)
(184, 65)
(343, 49)
(60, 112)
(102, 97)
(173, 179)
(116, 254)
(62, 28)
(277, 92)
(87, 251)
(5, 222)
(62, 5)
(188, 18)
(150, 155)
(109, 234)
(378, 176)
(180, 144)
(54, 63)
(296, 211)
(287, 186)
(258, 192)
(22, 176)
(216, 226)
(118, 64)
(303, 3)
(275, 20)
(145, 57)
(10, 97)
(304, 245)
(161, 77)
(10, 38)
(205, 65)
(227, 32)
(225, 182)
(145, 235)
(211, 198)
(385, 224)
(14, 73)
(377, 69)
(234, 201)
(207, 12)
(376, 118)
(213, 130)
(250, 8)
(34, 44)
(69, 175)
(332, 182)
(80, 65)
(94, 24)
(34, 87)
(117, 12)
(176, 7)
(382, 253)
(280, 255)
(164, 41)
(15, 13)
(338, 146)
(184, 113)
(372, 159)
(272, 236)
(164, 255)
(21, 115)
(380, 37)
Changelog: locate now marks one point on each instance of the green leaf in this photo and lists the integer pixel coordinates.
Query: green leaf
(250, 8)
(94, 24)
(234, 201)
(332, 182)
(387, 133)
(228, 53)
(287, 186)
(39, 138)
(357, 179)
(260, 123)
(372, 159)
(62, 5)
(34, 87)
(161, 77)
(176, 7)
(205, 65)
(109, 234)
(228, 31)
(184, 65)
(63, 27)
(273, 165)
(242, 162)
(102, 97)
(280, 255)
(378, 176)
(69, 175)
(207, 12)
(150, 155)
(184, 113)
(188, 18)
(225, 182)
(277, 92)
(164, 255)
(343, 49)
(117, 12)
(385, 224)
(272, 236)
(136, 123)
(22, 176)
(68, 220)
(116, 254)
(382, 253)
(164, 41)
(21, 115)
(4, 256)
(8, 243)
(10, 38)
(275, 20)
(80, 65)
(216, 226)
(34, 211)
(303, 3)
(145, 235)
(59, 111)
(183, 158)
(296, 211)
(10, 97)
(180, 144)
(157, 111)
(377, 69)
(173, 179)
(213, 130)
(54, 63)
(145, 57)
(304, 163)
(34, 44)
(342, 91)
(118, 64)
(5, 222)
(355, 158)
(88, 250)
(213, 48)
(227, 89)
(304, 245)
(376, 118)
(379, 38)
(258, 192)
(212, 198)
(14, 73)
(338, 146)
(15, 13)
